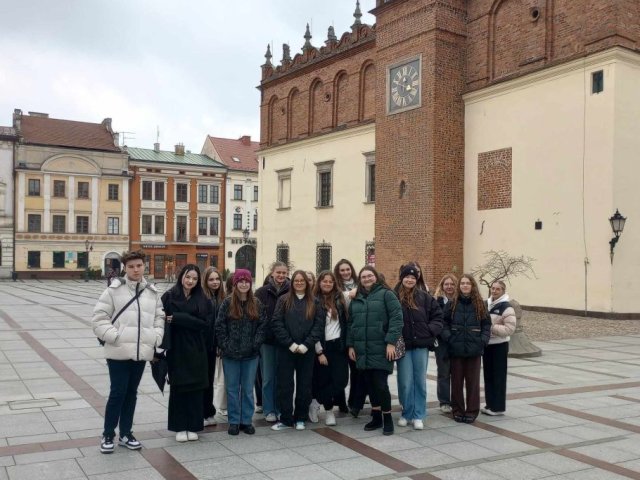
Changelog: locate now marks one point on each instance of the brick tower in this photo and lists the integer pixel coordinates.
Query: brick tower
(420, 135)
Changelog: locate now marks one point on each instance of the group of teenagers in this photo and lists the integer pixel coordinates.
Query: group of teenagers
(299, 342)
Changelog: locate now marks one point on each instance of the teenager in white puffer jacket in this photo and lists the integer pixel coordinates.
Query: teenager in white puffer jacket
(129, 343)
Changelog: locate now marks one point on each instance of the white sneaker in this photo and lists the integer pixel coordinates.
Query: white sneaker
(259, 409)
(210, 421)
(192, 436)
(314, 408)
(271, 418)
(279, 426)
(182, 437)
(330, 419)
(223, 413)
(418, 425)
(445, 408)
(488, 411)
(300, 426)
(402, 422)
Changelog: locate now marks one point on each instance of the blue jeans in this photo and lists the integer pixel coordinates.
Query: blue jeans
(124, 376)
(239, 376)
(268, 369)
(412, 383)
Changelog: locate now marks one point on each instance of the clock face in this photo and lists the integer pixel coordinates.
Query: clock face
(404, 86)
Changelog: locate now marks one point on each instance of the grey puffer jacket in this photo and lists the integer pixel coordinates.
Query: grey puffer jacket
(138, 330)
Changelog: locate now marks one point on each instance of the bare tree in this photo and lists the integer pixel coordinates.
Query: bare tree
(500, 265)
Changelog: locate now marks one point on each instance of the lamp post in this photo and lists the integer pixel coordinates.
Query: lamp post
(617, 222)
(88, 248)
(245, 235)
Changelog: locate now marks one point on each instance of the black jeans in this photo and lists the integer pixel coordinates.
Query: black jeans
(125, 376)
(357, 387)
(302, 365)
(378, 387)
(330, 380)
(494, 364)
(444, 373)
(208, 410)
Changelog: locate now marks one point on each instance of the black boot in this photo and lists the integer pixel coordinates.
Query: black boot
(388, 424)
(376, 421)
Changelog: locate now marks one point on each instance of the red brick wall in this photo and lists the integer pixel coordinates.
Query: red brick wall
(494, 179)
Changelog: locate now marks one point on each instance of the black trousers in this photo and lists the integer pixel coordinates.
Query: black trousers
(494, 364)
(329, 381)
(258, 386)
(357, 387)
(444, 373)
(125, 376)
(290, 364)
(185, 411)
(377, 385)
(208, 410)
(465, 375)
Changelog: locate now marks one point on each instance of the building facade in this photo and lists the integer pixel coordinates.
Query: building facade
(177, 209)
(71, 197)
(242, 195)
(8, 138)
(503, 125)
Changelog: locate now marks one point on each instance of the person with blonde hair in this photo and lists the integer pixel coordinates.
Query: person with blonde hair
(445, 292)
(467, 329)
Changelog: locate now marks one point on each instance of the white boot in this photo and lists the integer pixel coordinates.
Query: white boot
(330, 419)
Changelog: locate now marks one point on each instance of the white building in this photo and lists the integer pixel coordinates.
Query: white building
(7, 141)
(241, 197)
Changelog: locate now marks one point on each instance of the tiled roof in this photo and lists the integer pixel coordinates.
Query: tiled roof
(150, 155)
(66, 133)
(237, 154)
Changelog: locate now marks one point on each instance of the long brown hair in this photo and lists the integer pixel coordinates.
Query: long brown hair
(440, 289)
(336, 273)
(235, 308)
(379, 279)
(407, 295)
(217, 295)
(328, 300)
(308, 295)
(476, 299)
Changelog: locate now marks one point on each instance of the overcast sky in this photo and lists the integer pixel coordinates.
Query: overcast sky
(189, 67)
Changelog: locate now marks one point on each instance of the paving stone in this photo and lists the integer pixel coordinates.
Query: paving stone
(424, 457)
(465, 450)
(223, 467)
(46, 456)
(504, 445)
(514, 468)
(58, 470)
(24, 424)
(139, 474)
(292, 438)
(275, 459)
(314, 472)
(555, 463)
(593, 474)
(47, 437)
(468, 473)
(242, 444)
(389, 443)
(326, 452)
(122, 460)
(355, 468)
(189, 451)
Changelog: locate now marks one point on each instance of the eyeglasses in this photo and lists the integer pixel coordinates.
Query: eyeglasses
(368, 276)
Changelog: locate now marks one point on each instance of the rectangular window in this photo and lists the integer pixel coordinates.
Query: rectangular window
(181, 228)
(323, 257)
(282, 253)
(255, 221)
(58, 259)
(159, 225)
(214, 194)
(213, 261)
(33, 259)
(83, 189)
(59, 224)
(284, 189)
(159, 190)
(202, 193)
(201, 261)
(82, 224)
(34, 223)
(202, 226)
(324, 184)
(83, 260)
(237, 192)
(213, 226)
(34, 187)
(181, 192)
(114, 191)
(370, 177)
(597, 82)
(237, 221)
(147, 190)
(181, 261)
(59, 188)
(113, 225)
(255, 193)
(146, 224)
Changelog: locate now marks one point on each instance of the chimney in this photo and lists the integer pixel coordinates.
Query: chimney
(245, 140)
(39, 114)
(17, 119)
(156, 147)
(180, 149)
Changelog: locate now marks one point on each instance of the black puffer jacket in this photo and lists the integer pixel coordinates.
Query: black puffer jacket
(268, 295)
(422, 325)
(291, 326)
(241, 338)
(466, 335)
(342, 318)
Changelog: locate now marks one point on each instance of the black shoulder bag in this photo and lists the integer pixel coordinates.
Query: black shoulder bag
(113, 320)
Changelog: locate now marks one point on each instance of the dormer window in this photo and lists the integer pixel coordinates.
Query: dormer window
(235, 159)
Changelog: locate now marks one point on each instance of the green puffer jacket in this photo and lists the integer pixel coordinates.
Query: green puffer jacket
(375, 321)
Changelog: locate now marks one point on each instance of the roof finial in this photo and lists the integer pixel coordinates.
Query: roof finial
(268, 56)
(331, 36)
(286, 54)
(357, 15)
(307, 38)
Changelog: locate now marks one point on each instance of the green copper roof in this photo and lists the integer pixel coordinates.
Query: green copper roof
(163, 156)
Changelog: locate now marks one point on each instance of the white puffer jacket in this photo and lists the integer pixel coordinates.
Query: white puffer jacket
(502, 325)
(138, 330)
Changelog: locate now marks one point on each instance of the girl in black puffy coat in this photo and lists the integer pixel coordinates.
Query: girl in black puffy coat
(467, 329)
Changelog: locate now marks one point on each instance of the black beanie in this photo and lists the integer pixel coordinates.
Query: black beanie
(409, 270)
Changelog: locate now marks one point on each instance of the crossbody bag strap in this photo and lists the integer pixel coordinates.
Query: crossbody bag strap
(128, 304)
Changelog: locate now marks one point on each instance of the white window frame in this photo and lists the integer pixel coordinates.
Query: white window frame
(322, 168)
(286, 174)
(370, 161)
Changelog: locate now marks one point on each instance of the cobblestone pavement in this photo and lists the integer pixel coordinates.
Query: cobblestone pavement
(573, 413)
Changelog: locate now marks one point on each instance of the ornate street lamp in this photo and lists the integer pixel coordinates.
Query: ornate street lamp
(89, 248)
(245, 235)
(617, 222)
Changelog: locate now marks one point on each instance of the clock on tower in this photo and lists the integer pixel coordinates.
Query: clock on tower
(404, 85)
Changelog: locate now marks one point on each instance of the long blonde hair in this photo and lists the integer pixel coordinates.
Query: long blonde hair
(440, 288)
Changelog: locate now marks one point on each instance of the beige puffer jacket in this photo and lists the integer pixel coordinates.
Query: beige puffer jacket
(138, 330)
(502, 324)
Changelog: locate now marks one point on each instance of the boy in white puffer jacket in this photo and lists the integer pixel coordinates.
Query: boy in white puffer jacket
(129, 342)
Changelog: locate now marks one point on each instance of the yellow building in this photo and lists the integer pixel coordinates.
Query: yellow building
(71, 197)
